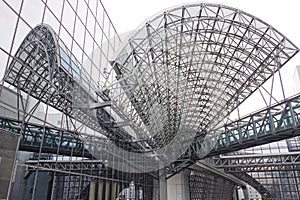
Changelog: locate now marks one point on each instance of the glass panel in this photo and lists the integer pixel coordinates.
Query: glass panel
(22, 31)
(91, 23)
(82, 11)
(65, 37)
(79, 33)
(7, 17)
(88, 46)
(56, 7)
(77, 52)
(51, 20)
(68, 18)
(29, 8)
(93, 6)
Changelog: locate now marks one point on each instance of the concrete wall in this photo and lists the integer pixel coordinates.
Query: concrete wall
(178, 186)
(8, 147)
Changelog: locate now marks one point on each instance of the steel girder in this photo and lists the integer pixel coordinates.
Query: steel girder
(259, 162)
(278, 122)
(274, 123)
(36, 137)
(92, 168)
(47, 139)
(87, 167)
(189, 67)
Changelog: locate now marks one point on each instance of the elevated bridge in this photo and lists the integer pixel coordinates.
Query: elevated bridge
(277, 122)
(45, 139)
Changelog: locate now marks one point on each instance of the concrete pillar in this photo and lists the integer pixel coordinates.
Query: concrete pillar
(178, 186)
(100, 189)
(107, 190)
(113, 190)
(92, 190)
(119, 188)
(163, 195)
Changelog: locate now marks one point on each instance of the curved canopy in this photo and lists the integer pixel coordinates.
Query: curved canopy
(189, 67)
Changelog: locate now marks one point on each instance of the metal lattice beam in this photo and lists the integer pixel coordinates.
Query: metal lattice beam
(55, 140)
(44, 68)
(189, 67)
(259, 162)
(274, 123)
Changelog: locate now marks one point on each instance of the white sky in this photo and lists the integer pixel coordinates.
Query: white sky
(282, 15)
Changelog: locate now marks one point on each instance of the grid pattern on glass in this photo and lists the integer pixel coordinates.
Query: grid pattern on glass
(79, 44)
(84, 27)
(51, 49)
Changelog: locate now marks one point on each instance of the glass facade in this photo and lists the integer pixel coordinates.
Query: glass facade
(105, 119)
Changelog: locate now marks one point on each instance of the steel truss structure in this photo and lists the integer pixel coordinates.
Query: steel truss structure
(46, 69)
(165, 95)
(280, 185)
(276, 122)
(259, 162)
(274, 175)
(52, 140)
(186, 69)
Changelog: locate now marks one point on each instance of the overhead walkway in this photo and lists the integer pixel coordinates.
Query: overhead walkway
(274, 123)
(45, 139)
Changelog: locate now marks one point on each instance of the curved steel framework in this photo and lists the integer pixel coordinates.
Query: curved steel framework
(186, 69)
(171, 84)
(45, 68)
(48, 71)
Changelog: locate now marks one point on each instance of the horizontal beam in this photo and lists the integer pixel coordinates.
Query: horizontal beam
(259, 162)
(100, 104)
(53, 140)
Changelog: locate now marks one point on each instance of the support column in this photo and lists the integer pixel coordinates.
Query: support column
(107, 190)
(100, 190)
(155, 193)
(178, 186)
(92, 190)
(163, 195)
(113, 190)
(185, 178)
(119, 188)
